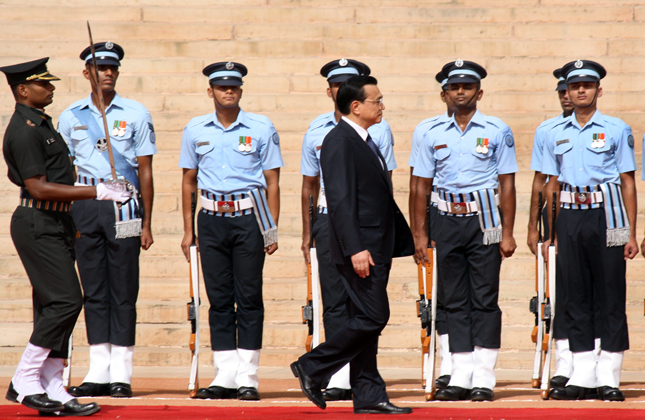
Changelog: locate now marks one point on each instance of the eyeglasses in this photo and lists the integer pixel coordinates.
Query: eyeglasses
(379, 102)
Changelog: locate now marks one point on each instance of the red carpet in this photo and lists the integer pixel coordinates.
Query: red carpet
(293, 413)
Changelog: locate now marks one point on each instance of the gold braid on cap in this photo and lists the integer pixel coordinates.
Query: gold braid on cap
(40, 76)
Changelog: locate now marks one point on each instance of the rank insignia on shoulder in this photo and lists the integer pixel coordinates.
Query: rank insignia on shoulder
(30, 123)
(559, 142)
(80, 127)
(630, 141)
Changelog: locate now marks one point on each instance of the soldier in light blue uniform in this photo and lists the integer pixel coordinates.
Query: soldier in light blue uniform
(471, 156)
(331, 286)
(590, 160)
(562, 352)
(109, 236)
(418, 138)
(234, 158)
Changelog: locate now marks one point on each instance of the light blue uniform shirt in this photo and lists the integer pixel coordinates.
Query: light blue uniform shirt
(138, 139)
(418, 137)
(214, 150)
(538, 141)
(569, 154)
(450, 155)
(321, 126)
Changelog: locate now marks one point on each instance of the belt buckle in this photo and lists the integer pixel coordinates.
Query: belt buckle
(458, 208)
(583, 198)
(226, 206)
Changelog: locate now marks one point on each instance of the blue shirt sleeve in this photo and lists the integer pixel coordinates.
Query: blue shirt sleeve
(425, 163)
(550, 164)
(625, 159)
(65, 129)
(505, 153)
(382, 136)
(145, 138)
(188, 156)
(417, 139)
(270, 155)
(309, 164)
(538, 145)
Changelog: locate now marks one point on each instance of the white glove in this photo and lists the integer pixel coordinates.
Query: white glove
(113, 190)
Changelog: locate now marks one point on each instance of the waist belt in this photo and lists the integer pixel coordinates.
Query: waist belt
(434, 197)
(581, 197)
(27, 201)
(225, 206)
(458, 208)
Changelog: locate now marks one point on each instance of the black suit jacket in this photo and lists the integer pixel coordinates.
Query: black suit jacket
(361, 207)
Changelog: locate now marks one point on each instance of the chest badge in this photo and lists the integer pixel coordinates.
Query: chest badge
(598, 140)
(101, 145)
(482, 145)
(244, 144)
(119, 128)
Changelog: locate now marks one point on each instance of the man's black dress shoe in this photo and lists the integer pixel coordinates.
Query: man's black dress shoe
(248, 393)
(452, 393)
(89, 389)
(120, 390)
(573, 392)
(337, 394)
(481, 394)
(308, 386)
(75, 408)
(609, 393)
(216, 393)
(36, 401)
(558, 381)
(383, 408)
(442, 381)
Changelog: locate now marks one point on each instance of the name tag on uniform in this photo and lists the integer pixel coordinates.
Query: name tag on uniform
(559, 142)
(203, 143)
(80, 127)
(441, 146)
(318, 147)
(50, 141)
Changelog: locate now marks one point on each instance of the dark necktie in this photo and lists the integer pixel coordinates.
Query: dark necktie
(372, 146)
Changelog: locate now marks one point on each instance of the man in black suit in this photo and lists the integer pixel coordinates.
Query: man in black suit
(366, 230)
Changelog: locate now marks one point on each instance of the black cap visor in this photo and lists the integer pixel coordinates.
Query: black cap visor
(225, 81)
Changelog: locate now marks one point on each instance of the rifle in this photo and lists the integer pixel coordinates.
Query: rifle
(193, 306)
(537, 302)
(67, 371)
(549, 306)
(427, 310)
(311, 310)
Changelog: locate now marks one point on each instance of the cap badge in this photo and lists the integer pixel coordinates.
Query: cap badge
(109, 45)
(342, 62)
(459, 62)
(230, 65)
(579, 64)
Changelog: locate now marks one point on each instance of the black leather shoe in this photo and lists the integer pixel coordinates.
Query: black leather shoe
(12, 395)
(89, 389)
(337, 394)
(120, 390)
(442, 382)
(452, 393)
(572, 392)
(248, 393)
(39, 402)
(481, 394)
(216, 393)
(308, 386)
(383, 408)
(609, 393)
(75, 408)
(558, 381)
